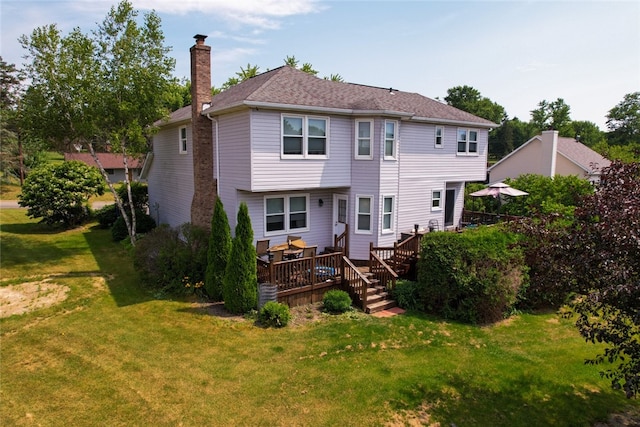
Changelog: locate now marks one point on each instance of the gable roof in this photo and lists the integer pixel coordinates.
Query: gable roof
(581, 155)
(108, 160)
(291, 89)
(586, 158)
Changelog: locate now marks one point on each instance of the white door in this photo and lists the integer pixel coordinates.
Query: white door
(339, 213)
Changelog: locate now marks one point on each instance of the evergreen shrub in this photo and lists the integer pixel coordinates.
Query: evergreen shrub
(407, 294)
(336, 301)
(144, 224)
(475, 277)
(274, 314)
(218, 253)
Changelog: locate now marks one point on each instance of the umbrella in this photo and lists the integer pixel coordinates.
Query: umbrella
(498, 189)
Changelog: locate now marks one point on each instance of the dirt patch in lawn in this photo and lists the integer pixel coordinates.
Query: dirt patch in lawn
(29, 296)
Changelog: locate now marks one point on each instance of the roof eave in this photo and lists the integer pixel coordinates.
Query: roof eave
(486, 125)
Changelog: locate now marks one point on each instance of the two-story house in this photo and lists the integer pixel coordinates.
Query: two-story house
(311, 156)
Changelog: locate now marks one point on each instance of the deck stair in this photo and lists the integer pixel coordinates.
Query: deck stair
(378, 299)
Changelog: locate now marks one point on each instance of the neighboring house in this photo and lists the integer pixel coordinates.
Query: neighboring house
(309, 156)
(550, 155)
(112, 163)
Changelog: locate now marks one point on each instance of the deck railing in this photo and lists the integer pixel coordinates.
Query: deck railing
(300, 272)
(382, 271)
(484, 218)
(397, 255)
(355, 282)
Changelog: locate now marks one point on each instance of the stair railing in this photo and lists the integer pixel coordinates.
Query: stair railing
(382, 271)
(356, 282)
(342, 241)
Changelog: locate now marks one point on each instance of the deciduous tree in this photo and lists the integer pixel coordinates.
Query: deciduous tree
(623, 120)
(103, 90)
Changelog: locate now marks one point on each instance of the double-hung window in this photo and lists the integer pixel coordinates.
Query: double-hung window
(439, 136)
(182, 140)
(390, 139)
(436, 200)
(364, 134)
(387, 213)
(286, 213)
(304, 136)
(467, 141)
(364, 207)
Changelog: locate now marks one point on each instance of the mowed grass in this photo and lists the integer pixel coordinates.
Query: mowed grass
(111, 354)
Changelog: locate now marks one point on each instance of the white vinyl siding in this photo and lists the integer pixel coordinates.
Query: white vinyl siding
(364, 134)
(182, 140)
(364, 211)
(305, 137)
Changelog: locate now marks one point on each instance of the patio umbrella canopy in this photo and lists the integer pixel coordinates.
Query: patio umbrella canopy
(498, 189)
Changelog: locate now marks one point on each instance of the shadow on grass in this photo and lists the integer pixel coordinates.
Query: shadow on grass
(116, 263)
(39, 254)
(30, 228)
(525, 400)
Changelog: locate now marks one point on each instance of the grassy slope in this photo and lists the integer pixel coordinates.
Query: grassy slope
(113, 355)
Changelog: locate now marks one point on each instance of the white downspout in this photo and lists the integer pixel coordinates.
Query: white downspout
(217, 152)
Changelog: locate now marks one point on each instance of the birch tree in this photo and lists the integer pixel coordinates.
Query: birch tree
(100, 91)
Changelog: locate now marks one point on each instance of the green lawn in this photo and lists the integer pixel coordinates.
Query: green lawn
(111, 354)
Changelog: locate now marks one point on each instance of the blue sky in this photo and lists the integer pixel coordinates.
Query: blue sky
(516, 53)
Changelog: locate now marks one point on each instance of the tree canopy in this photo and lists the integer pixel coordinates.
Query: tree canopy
(469, 99)
(623, 120)
(102, 90)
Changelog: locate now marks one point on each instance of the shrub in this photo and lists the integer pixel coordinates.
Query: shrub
(107, 216)
(274, 314)
(407, 294)
(59, 193)
(144, 224)
(219, 251)
(476, 276)
(139, 194)
(240, 284)
(336, 301)
(172, 260)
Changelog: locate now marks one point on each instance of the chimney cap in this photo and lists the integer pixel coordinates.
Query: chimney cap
(199, 37)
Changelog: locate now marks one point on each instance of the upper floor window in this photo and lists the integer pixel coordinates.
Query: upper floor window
(363, 139)
(439, 136)
(387, 213)
(304, 136)
(182, 140)
(436, 200)
(467, 141)
(363, 214)
(390, 136)
(286, 213)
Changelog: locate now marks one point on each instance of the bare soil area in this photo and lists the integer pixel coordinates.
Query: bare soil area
(29, 296)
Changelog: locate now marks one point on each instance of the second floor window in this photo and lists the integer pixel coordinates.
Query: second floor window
(304, 136)
(363, 139)
(439, 136)
(467, 141)
(390, 135)
(182, 143)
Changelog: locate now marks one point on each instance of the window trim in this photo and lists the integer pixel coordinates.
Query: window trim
(358, 156)
(467, 142)
(358, 213)
(435, 208)
(287, 213)
(305, 137)
(182, 142)
(391, 214)
(394, 155)
(440, 143)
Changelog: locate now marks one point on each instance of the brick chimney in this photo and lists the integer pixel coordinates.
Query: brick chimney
(204, 183)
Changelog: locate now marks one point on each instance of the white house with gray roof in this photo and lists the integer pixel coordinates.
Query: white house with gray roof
(549, 154)
(309, 156)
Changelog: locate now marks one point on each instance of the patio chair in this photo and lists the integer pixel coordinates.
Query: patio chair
(309, 251)
(262, 247)
(291, 238)
(277, 256)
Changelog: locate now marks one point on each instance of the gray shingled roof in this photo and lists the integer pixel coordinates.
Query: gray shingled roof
(286, 87)
(582, 155)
